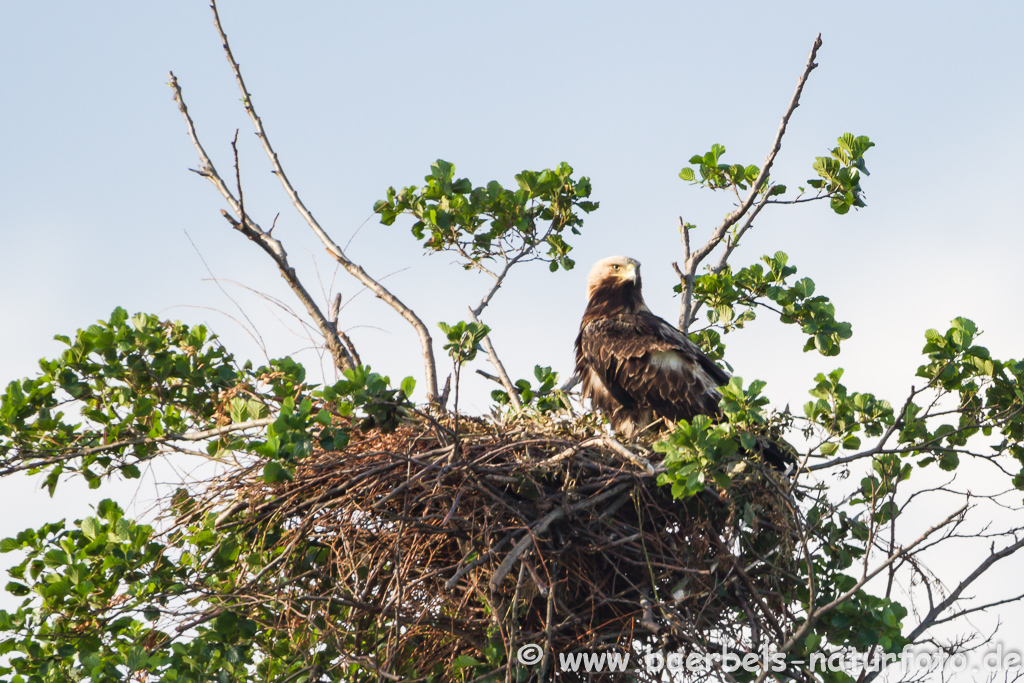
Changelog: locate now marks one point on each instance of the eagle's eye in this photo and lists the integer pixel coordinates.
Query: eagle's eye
(615, 267)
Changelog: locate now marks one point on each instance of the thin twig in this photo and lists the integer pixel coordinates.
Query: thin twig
(695, 258)
(353, 268)
(269, 244)
(492, 355)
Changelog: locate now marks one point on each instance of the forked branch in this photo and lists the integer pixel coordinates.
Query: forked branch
(332, 247)
(755, 200)
(338, 343)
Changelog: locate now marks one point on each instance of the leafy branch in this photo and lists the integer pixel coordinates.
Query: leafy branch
(492, 228)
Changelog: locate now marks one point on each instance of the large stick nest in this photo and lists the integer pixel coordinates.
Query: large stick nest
(415, 548)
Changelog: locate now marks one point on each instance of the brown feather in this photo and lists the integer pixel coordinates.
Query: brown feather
(636, 367)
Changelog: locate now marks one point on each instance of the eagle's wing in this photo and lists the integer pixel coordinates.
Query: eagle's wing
(643, 360)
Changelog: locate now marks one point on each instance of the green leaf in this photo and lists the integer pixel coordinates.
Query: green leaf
(274, 473)
(91, 527)
(722, 479)
(464, 662)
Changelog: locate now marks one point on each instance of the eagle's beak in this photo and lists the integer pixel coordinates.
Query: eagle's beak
(632, 273)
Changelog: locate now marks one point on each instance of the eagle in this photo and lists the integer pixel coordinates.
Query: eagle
(636, 367)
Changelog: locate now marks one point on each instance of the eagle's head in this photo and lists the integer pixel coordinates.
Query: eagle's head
(614, 272)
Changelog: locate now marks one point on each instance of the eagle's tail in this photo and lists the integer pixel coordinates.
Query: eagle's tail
(779, 454)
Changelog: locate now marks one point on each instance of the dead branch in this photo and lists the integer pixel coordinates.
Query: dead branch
(272, 246)
(336, 251)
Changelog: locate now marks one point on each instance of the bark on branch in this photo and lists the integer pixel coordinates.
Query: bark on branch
(336, 251)
(338, 343)
(816, 613)
(748, 208)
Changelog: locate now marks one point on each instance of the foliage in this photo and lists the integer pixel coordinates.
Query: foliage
(838, 175)
(544, 397)
(691, 450)
(349, 535)
(96, 593)
(142, 386)
(463, 340)
(753, 286)
(137, 382)
(484, 223)
(717, 176)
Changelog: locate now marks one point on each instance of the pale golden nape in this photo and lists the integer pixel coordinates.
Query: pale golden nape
(619, 267)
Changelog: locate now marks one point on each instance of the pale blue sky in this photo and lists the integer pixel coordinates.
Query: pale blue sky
(359, 96)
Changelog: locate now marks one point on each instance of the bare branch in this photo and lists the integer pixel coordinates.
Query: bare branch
(339, 349)
(936, 611)
(248, 227)
(353, 268)
(499, 279)
(684, 235)
(734, 241)
(335, 313)
(510, 389)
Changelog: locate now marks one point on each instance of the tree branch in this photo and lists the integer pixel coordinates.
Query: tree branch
(696, 257)
(510, 389)
(814, 614)
(166, 438)
(499, 278)
(426, 343)
(343, 360)
(938, 609)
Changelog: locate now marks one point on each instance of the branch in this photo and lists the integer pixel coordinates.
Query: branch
(166, 438)
(937, 610)
(342, 358)
(335, 313)
(815, 614)
(695, 258)
(354, 269)
(638, 460)
(931, 619)
(500, 278)
(734, 241)
(510, 389)
(685, 279)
